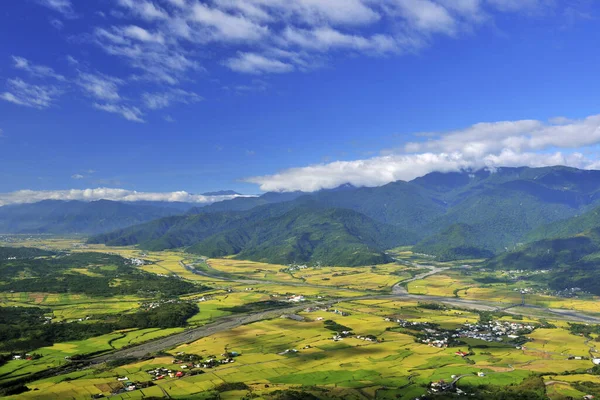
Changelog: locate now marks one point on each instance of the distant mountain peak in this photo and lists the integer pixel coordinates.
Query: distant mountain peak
(345, 186)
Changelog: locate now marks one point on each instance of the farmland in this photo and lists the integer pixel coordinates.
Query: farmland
(384, 352)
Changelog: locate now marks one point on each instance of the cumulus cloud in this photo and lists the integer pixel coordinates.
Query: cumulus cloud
(32, 196)
(508, 143)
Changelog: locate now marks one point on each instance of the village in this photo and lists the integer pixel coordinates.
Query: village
(493, 331)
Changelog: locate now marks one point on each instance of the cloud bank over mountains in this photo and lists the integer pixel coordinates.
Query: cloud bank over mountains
(32, 196)
(483, 145)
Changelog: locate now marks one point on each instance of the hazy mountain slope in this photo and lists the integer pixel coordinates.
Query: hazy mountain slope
(566, 227)
(77, 217)
(572, 261)
(247, 203)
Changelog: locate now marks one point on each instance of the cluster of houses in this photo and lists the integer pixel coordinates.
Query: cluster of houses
(341, 335)
(138, 262)
(296, 299)
(191, 364)
(293, 268)
(493, 331)
(339, 312)
(26, 356)
(128, 386)
(288, 352)
(155, 304)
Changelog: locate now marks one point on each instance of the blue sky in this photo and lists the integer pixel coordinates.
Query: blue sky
(256, 95)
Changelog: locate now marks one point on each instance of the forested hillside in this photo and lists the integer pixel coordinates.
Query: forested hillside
(471, 214)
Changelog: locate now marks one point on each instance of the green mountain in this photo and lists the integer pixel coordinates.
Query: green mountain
(567, 227)
(457, 242)
(505, 206)
(453, 215)
(77, 217)
(571, 261)
(308, 235)
(281, 233)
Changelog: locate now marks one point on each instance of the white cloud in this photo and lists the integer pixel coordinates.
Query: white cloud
(224, 26)
(77, 176)
(517, 136)
(32, 196)
(327, 38)
(157, 101)
(72, 60)
(100, 86)
(143, 35)
(253, 63)
(1, 133)
(130, 113)
(157, 61)
(25, 94)
(38, 71)
(62, 6)
(426, 16)
(312, 12)
(168, 42)
(144, 9)
(509, 143)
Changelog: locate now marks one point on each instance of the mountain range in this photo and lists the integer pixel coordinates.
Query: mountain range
(455, 215)
(79, 217)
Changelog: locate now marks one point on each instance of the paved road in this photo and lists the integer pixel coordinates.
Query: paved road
(191, 335)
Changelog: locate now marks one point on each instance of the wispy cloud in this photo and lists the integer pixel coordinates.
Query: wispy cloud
(32, 196)
(38, 71)
(253, 63)
(100, 86)
(507, 143)
(130, 113)
(29, 95)
(57, 23)
(65, 7)
(168, 44)
(157, 101)
(77, 176)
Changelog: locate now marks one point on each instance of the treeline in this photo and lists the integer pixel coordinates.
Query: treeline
(23, 252)
(55, 275)
(26, 329)
(138, 283)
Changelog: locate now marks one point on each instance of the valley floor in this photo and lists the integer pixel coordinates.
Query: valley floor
(383, 332)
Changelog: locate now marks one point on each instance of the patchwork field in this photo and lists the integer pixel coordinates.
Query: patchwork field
(384, 357)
